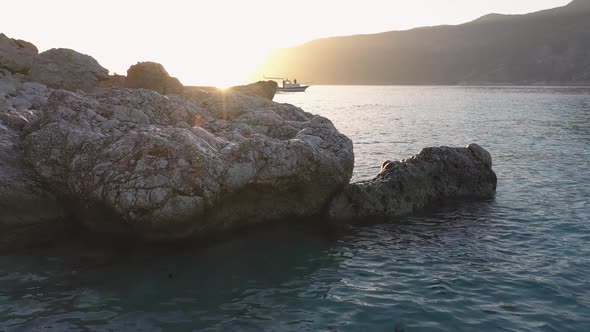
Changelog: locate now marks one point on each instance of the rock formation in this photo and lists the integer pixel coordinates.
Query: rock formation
(405, 186)
(264, 89)
(139, 163)
(152, 76)
(23, 199)
(62, 68)
(165, 167)
(16, 55)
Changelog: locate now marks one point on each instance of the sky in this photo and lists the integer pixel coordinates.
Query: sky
(221, 42)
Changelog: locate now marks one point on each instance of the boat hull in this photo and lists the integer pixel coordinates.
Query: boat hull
(293, 89)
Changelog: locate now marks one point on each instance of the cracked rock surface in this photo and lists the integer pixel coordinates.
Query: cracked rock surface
(23, 199)
(135, 161)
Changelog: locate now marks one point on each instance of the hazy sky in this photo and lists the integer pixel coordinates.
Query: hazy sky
(219, 41)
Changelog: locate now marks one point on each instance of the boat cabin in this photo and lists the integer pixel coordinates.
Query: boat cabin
(287, 84)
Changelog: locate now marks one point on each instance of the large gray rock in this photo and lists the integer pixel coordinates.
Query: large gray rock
(137, 162)
(16, 55)
(62, 68)
(152, 76)
(405, 186)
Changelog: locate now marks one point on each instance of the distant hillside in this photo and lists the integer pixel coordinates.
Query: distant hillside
(546, 47)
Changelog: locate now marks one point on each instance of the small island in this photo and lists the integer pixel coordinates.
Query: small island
(142, 156)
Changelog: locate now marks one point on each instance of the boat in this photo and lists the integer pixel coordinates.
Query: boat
(288, 85)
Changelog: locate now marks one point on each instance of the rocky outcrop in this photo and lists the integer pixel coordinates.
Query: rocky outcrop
(16, 55)
(140, 163)
(67, 69)
(152, 76)
(264, 89)
(405, 186)
(136, 162)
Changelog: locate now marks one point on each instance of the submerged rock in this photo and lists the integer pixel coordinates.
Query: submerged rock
(16, 55)
(402, 187)
(152, 76)
(137, 162)
(62, 68)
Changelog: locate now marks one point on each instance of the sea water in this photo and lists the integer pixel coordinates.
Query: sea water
(519, 262)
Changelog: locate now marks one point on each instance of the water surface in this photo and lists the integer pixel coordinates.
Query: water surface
(520, 262)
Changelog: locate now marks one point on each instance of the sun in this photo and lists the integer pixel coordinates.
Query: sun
(225, 66)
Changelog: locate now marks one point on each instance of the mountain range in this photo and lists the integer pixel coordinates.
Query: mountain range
(549, 47)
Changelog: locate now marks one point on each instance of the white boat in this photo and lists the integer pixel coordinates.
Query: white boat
(288, 85)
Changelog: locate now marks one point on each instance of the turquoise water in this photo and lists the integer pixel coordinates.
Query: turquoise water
(520, 262)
